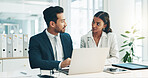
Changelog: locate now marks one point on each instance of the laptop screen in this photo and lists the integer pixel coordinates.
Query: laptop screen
(87, 60)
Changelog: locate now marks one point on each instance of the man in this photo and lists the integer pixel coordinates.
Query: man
(52, 48)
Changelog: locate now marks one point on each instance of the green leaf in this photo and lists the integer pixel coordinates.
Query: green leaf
(124, 36)
(126, 57)
(141, 38)
(125, 41)
(121, 50)
(127, 32)
(132, 39)
(136, 36)
(129, 59)
(132, 49)
(132, 27)
(134, 31)
(130, 43)
(124, 45)
(133, 54)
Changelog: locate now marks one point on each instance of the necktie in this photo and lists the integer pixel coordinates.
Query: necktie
(55, 39)
(58, 50)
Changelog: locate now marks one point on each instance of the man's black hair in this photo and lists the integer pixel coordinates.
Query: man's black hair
(50, 14)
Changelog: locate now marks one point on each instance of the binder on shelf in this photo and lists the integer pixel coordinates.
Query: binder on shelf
(20, 45)
(9, 45)
(3, 45)
(15, 45)
(25, 45)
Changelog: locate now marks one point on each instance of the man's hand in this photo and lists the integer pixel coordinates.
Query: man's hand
(65, 63)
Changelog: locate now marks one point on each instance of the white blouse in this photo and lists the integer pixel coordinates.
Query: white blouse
(107, 40)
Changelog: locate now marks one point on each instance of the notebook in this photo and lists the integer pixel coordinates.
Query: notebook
(131, 66)
(87, 60)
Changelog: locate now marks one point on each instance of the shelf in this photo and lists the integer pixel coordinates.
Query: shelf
(13, 58)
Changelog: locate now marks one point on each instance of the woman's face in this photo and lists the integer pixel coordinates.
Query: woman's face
(97, 25)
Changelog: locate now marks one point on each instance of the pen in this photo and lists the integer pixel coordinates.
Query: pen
(23, 73)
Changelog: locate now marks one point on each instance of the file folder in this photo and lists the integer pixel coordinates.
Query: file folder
(25, 45)
(15, 45)
(3, 45)
(20, 45)
(9, 45)
(1, 66)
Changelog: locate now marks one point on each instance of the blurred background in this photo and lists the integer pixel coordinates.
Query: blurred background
(25, 17)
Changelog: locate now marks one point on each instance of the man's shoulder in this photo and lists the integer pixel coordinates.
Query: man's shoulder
(37, 35)
(64, 34)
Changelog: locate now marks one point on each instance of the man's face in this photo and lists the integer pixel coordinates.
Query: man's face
(97, 25)
(60, 24)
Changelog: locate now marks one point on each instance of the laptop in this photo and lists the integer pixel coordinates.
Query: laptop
(87, 60)
(131, 66)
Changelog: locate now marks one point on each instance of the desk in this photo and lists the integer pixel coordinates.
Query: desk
(21, 74)
(131, 74)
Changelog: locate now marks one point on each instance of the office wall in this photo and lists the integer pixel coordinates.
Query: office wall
(122, 17)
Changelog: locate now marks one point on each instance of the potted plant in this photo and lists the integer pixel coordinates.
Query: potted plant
(129, 44)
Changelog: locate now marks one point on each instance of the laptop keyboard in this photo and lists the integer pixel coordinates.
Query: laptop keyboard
(65, 71)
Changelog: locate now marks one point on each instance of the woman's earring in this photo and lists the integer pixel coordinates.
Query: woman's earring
(103, 29)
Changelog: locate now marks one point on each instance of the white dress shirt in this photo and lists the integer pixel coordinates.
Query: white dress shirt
(107, 40)
(58, 44)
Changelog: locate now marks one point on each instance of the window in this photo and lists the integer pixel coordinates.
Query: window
(82, 12)
(24, 16)
(144, 26)
(141, 20)
(138, 25)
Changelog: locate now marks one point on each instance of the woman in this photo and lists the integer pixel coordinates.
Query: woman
(101, 36)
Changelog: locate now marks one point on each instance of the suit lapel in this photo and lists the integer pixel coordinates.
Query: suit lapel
(47, 42)
(104, 40)
(63, 44)
(90, 40)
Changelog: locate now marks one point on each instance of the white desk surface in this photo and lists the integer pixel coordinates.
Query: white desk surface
(132, 74)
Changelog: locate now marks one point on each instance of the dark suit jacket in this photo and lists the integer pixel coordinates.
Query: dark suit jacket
(41, 52)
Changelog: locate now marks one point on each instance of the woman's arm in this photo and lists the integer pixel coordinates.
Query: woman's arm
(113, 53)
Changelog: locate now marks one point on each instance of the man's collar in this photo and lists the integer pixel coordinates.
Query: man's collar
(51, 35)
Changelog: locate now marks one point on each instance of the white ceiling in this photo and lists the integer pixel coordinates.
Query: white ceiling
(23, 1)
(32, 2)
(35, 3)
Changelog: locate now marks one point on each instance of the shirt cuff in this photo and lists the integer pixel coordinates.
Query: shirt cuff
(60, 65)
